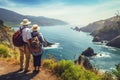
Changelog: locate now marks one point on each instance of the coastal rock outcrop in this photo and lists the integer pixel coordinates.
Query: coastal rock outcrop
(84, 61)
(88, 52)
(114, 42)
(76, 28)
(47, 44)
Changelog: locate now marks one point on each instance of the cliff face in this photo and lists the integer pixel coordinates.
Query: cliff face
(108, 32)
(6, 34)
(93, 26)
(115, 42)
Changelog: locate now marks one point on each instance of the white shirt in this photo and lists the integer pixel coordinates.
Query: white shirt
(26, 34)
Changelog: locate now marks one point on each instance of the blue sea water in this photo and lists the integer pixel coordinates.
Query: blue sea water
(70, 44)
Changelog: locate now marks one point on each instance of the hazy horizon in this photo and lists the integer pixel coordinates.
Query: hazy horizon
(76, 12)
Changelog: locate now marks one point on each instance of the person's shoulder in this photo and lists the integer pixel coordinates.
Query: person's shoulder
(40, 33)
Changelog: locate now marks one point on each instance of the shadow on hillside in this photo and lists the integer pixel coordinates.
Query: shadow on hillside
(18, 76)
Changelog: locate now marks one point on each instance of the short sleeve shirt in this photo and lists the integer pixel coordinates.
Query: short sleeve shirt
(26, 34)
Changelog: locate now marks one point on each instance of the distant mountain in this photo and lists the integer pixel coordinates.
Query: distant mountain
(13, 18)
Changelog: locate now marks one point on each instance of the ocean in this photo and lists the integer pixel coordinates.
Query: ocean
(69, 44)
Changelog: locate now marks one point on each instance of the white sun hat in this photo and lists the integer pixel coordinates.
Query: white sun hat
(25, 22)
(35, 27)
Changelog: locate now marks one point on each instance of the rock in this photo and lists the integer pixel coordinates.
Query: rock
(47, 44)
(1, 23)
(76, 28)
(114, 42)
(88, 52)
(82, 60)
(96, 39)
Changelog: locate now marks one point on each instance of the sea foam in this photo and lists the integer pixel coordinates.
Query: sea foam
(54, 46)
(102, 54)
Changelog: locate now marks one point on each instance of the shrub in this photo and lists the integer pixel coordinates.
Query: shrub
(4, 51)
(107, 76)
(50, 63)
(61, 66)
(78, 73)
(67, 70)
(117, 71)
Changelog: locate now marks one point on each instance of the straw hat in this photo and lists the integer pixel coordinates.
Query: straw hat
(35, 27)
(25, 22)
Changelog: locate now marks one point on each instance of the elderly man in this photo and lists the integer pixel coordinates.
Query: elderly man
(25, 50)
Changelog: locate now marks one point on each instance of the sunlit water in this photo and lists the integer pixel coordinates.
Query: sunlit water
(70, 44)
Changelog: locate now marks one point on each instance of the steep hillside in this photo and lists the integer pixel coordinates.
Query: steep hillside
(108, 32)
(99, 24)
(115, 42)
(13, 18)
(105, 30)
(6, 34)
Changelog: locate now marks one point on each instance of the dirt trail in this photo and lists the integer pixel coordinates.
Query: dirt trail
(8, 71)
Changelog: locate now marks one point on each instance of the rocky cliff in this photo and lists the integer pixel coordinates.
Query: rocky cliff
(6, 34)
(115, 42)
(100, 24)
(107, 32)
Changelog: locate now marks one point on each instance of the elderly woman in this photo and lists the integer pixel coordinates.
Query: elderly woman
(36, 47)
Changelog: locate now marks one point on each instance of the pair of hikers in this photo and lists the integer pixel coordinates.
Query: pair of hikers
(28, 46)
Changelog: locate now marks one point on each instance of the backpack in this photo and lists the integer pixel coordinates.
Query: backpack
(17, 38)
(35, 44)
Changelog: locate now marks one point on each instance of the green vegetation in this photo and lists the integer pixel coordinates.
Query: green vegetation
(107, 76)
(67, 70)
(4, 51)
(117, 71)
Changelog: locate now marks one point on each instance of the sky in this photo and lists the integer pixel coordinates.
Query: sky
(76, 12)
